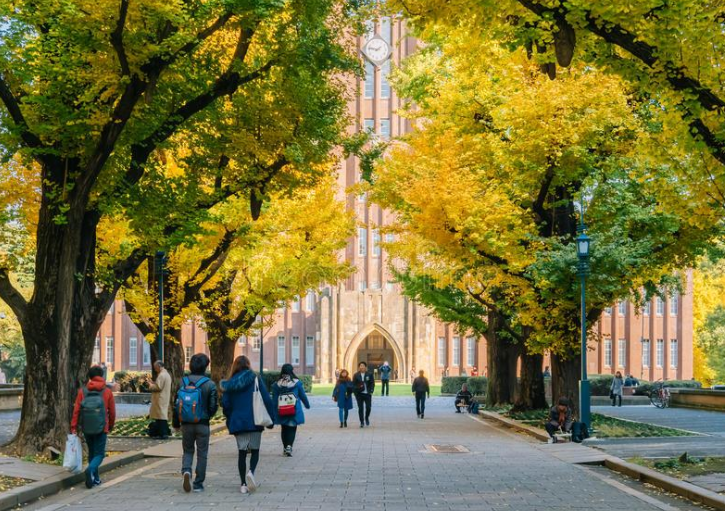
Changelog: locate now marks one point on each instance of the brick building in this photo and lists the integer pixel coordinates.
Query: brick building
(366, 317)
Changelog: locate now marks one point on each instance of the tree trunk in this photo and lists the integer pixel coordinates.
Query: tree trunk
(222, 356)
(565, 374)
(531, 394)
(501, 356)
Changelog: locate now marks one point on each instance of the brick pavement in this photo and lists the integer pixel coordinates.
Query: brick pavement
(384, 467)
(707, 422)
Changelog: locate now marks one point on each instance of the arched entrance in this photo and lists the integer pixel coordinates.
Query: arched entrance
(374, 345)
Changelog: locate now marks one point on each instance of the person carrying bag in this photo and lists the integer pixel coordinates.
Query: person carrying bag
(288, 392)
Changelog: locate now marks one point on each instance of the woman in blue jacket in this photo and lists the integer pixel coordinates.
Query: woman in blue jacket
(342, 395)
(290, 388)
(237, 395)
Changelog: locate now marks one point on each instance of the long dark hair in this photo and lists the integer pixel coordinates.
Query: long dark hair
(288, 370)
(240, 364)
(343, 379)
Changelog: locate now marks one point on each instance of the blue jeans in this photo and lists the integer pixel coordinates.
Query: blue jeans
(343, 414)
(96, 452)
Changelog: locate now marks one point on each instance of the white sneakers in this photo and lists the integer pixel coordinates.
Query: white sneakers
(244, 489)
(251, 483)
(287, 451)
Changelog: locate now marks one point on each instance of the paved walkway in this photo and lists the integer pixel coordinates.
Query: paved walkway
(700, 421)
(388, 466)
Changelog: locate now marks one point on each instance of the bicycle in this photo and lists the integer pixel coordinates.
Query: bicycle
(660, 395)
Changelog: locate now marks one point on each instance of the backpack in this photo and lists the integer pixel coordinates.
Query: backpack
(189, 403)
(93, 412)
(286, 404)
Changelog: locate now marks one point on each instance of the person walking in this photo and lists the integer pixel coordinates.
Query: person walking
(237, 404)
(105, 371)
(385, 371)
(289, 395)
(94, 411)
(615, 391)
(342, 395)
(364, 385)
(196, 404)
(160, 397)
(421, 389)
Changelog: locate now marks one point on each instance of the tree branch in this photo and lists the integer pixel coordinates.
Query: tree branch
(117, 39)
(10, 295)
(29, 138)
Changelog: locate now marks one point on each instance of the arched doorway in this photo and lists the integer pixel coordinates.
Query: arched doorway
(374, 345)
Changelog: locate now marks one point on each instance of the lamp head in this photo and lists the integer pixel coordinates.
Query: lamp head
(583, 243)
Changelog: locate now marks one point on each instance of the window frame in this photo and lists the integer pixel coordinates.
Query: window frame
(310, 351)
(281, 345)
(442, 352)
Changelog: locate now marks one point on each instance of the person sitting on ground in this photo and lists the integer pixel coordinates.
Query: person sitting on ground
(631, 381)
(559, 418)
(464, 398)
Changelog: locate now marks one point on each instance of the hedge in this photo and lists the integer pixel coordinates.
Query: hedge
(132, 381)
(646, 387)
(452, 384)
(269, 377)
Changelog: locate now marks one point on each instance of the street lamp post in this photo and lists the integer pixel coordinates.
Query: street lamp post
(160, 270)
(261, 345)
(582, 249)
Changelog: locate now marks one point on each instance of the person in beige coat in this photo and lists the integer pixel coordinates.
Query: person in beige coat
(160, 398)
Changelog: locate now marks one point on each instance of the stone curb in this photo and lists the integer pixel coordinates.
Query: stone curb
(640, 473)
(34, 491)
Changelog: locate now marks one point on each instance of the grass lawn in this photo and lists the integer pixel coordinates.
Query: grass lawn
(684, 466)
(604, 426)
(396, 389)
(137, 426)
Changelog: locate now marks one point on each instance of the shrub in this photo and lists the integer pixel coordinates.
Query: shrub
(132, 381)
(477, 385)
(600, 384)
(646, 387)
(452, 384)
(269, 377)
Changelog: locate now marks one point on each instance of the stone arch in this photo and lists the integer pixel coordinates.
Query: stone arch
(349, 358)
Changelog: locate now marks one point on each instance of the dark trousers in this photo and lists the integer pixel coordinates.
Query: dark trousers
(96, 452)
(159, 429)
(288, 435)
(420, 402)
(364, 402)
(385, 390)
(551, 428)
(191, 435)
(463, 403)
(614, 399)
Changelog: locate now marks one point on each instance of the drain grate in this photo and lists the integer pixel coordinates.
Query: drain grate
(446, 449)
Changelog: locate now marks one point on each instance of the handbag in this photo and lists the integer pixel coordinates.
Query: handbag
(286, 405)
(261, 417)
(73, 455)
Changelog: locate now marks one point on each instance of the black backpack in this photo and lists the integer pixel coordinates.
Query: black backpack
(93, 412)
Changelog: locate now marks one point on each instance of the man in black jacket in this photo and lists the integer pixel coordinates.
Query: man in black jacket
(421, 389)
(464, 398)
(363, 383)
(197, 432)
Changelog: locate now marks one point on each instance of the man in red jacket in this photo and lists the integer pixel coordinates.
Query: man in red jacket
(95, 410)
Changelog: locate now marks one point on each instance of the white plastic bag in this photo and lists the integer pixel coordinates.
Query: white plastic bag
(73, 456)
(261, 417)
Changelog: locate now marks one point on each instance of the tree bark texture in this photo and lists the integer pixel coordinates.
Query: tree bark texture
(531, 395)
(501, 356)
(565, 374)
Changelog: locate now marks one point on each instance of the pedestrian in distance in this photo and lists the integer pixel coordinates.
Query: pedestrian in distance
(196, 403)
(464, 399)
(474, 371)
(342, 395)
(363, 385)
(289, 395)
(385, 371)
(615, 390)
(94, 412)
(421, 389)
(237, 404)
(411, 374)
(560, 418)
(105, 371)
(160, 398)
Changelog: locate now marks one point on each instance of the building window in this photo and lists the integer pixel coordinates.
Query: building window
(296, 350)
(390, 285)
(109, 351)
(471, 348)
(456, 351)
(673, 353)
(280, 350)
(385, 29)
(309, 351)
(608, 311)
(256, 343)
(310, 299)
(296, 304)
(369, 80)
(622, 353)
(385, 128)
(660, 306)
(187, 354)
(384, 83)
(97, 351)
(132, 351)
(674, 304)
(646, 352)
(647, 308)
(146, 353)
(622, 308)
(607, 352)
(111, 309)
(660, 352)
(369, 125)
(242, 340)
(375, 284)
(389, 237)
(376, 243)
(441, 352)
(362, 241)
(363, 285)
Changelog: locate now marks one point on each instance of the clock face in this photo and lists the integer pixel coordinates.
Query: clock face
(377, 50)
